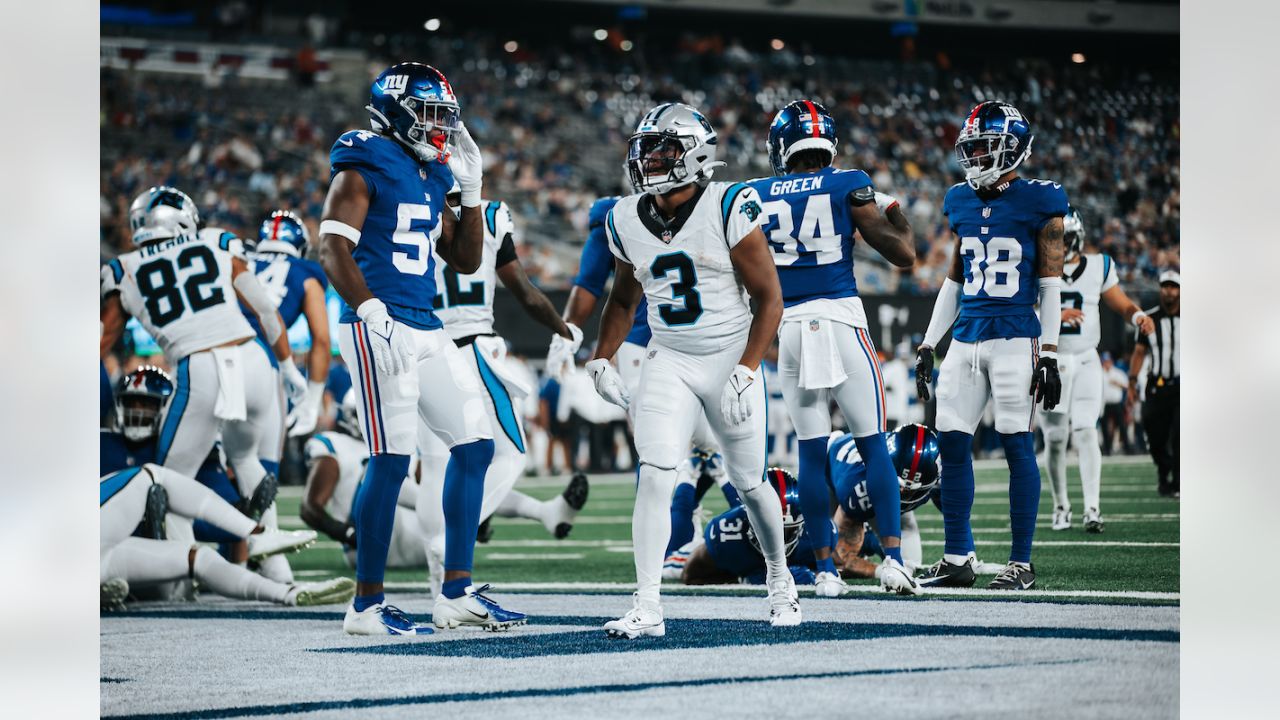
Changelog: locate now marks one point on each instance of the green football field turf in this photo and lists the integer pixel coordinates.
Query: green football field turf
(1138, 552)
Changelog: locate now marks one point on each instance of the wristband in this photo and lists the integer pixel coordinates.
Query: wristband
(1050, 354)
(1136, 318)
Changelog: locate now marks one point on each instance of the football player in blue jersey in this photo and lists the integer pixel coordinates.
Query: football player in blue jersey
(1009, 252)
(812, 212)
(297, 285)
(384, 214)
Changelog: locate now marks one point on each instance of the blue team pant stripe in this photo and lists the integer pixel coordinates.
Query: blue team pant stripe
(177, 406)
(501, 400)
(864, 341)
(377, 392)
(114, 483)
(366, 390)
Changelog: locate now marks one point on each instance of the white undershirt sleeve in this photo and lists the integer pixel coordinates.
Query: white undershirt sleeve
(945, 310)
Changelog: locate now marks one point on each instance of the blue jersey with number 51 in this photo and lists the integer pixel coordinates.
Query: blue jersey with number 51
(406, 200)
(810, 231)
(998, 256)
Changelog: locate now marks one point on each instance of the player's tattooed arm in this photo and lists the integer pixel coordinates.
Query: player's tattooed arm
(113, 318)
(849, 536)
(700, 569)
(534, 301)
(1050, 248)
(461, 242)
(347, 203)
(887, 233)
(753, 262)
(321, 482)
(619, 310)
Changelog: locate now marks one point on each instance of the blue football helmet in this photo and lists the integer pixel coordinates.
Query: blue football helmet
(411, 101)
(802, 125)
(1073, 232)
(140, 398)
(161, 213)
(914, 451)
(995, 139)
(792, 516)
(283, 232)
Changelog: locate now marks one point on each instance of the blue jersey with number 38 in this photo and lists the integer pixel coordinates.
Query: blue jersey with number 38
(998, 256)
(810, 231)
(406, 200)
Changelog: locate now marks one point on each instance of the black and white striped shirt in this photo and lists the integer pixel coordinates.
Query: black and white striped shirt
(1164, 347)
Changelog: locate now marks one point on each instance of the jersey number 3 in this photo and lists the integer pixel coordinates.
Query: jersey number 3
(992, 266)
(682, 288)
(158, 283)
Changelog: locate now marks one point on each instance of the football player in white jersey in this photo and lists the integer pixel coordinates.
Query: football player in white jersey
(125, 496)
(694, 249)
(464, 303)
(183, 289)
(1086, 279)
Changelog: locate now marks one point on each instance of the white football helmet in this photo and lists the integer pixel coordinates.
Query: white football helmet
(673, 146)
(347, 420)
(161, 213)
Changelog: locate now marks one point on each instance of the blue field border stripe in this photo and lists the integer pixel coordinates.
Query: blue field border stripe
(365, 703)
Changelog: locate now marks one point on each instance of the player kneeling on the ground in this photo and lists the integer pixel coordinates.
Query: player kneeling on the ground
(125, 497)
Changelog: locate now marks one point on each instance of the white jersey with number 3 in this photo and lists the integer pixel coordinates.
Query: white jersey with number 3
(180, 290)
(696, 300)
(1084, 281)
(464, 303)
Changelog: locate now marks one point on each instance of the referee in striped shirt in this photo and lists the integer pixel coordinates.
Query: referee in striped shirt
(1160, 405)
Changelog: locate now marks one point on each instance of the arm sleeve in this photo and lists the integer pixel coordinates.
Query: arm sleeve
(742, 213)
(1050, 310)
(945, 310)
(506, 251)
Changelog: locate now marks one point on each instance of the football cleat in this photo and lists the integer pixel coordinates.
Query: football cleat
(944, 574)
(329, 592)
(484, 533)
(829, 585)
(153, 516)
(1015, 576)
(111, 594)
(1093, 521)
(575, 497)
(895, 578)
(784, 603)
(639, 621)
(474, 610)
(1062, 518)
(274, 542)
(262, 497)
(382, 620)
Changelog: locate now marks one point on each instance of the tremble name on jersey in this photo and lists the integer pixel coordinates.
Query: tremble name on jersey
(1083, 283)
(998, 233)
(464, 303)
(180, 290)
(406, 202)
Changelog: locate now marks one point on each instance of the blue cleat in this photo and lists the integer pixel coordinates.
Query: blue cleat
(382, 620)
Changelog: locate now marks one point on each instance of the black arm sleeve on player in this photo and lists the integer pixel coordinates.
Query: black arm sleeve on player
(506, 251)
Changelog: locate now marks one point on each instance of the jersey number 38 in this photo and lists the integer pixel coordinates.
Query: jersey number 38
(991, 267)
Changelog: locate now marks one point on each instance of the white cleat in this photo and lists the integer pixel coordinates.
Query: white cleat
(895, 578)
(274, 542)
(784, 603)
(382, 620)
(334, 591)
(642, 620)
(1061, 518)
(474, 609)
(829, 585)
(112, 593)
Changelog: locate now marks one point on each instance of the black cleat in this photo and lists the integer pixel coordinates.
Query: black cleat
(263, 496)
(484, 533)
(1015, 576)
(575, 496)
(944, 574)
(153, 516)
(1093, 521)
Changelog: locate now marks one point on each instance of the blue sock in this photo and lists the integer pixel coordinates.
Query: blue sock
(1024, 492)
(463, 493)
(894, 552)
(827, 565)
(956, 449)
(374, 512)
(455, 588)
(271, 466)
(815, 493)
(731, 495)
(682, 505)
(882, 488)
(208, 532)
(364, 602)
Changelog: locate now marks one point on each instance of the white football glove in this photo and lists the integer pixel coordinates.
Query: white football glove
(609, 382)
(393, 351)
(304, 415)
(884, 201)
(295, 385)
(735, 404)
(560, 354)
(467, 166)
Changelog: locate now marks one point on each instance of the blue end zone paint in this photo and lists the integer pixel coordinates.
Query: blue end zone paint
(501, 400)
(362, 703)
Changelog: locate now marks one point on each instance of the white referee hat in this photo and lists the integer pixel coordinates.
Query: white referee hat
(1171, 276)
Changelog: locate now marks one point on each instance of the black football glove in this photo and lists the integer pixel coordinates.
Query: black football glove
(924, 372)
(1046, 385)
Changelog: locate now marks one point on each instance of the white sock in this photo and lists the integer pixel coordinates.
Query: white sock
(233, 581)
(1090, 464)
(651, 529)
(1056, 449)
(518, 505)
(189, 498)
(912, 550)
(764, 511)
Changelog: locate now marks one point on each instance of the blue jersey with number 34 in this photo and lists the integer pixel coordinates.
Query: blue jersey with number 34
(998, 256)
(406, 199)
(810, 231)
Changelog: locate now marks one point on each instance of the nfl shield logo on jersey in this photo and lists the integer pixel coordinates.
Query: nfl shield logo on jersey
(813, 326)
(986, 212)
(666, 236)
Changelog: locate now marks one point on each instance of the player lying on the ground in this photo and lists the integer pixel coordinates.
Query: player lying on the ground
(126, 496)
(695, 476)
